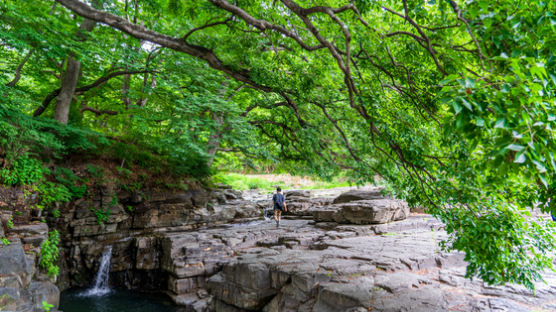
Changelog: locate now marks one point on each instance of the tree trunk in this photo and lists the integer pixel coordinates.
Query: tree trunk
(214, 139)
(69, 80)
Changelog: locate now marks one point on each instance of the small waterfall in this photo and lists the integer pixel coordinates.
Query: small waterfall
(268, 214)
(101, 279)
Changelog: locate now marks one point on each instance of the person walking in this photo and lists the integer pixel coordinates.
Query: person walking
(279, 205)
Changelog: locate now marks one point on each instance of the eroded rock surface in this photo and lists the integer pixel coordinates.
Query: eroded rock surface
(303, 266)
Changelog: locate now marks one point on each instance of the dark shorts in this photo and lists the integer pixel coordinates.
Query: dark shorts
(276, 207)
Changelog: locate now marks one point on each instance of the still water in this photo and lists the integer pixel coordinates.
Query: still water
(117, 300)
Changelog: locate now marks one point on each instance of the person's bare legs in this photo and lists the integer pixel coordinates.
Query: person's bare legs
(277, 214)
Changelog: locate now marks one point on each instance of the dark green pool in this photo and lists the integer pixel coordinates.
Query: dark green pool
(117, 300)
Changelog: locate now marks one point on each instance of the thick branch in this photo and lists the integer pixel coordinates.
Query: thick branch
(427, 44)
(177, 44)
(97, 111)
(262, 24)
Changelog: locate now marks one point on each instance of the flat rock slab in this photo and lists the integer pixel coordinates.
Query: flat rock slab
(359, 194)
(370, 211)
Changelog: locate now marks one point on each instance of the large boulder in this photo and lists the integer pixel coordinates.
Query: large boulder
(361, 194)
(40, 291)
(297, 193)
(371, 211)
(13, 261)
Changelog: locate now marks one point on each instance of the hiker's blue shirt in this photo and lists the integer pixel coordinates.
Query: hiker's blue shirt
(278, 200)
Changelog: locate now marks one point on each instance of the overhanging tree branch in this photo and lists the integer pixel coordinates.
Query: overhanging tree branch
(52, 95)
(18, 70)
(98, 112)
(141, 32)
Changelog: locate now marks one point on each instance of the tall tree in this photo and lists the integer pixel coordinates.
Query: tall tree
(70, 78)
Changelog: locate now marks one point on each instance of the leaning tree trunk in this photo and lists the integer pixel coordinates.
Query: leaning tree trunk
(69, 80)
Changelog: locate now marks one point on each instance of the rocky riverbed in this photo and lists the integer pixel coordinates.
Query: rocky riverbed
(309, 266)
(336, 250)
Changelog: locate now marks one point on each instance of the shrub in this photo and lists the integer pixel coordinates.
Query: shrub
(47, 306)
(24, 170)
(21, 133)
(49, 253)
(126, 173)
(50, 193)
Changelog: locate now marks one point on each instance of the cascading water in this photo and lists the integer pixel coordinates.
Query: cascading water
(101, 279)
(268, 213)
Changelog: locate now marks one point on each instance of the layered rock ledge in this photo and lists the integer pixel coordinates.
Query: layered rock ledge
(308, 266)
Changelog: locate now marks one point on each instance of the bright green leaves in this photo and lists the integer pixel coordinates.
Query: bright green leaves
(498, 128)
(502, 244)
(49, 253)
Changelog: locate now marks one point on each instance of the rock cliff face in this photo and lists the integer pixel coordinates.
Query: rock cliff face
(132, 225)
(23, 286)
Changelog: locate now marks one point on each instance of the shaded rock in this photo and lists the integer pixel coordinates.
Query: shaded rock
(422, 299)
(41, 291)
(147, 253)
(14, 262)
(34, 233)
(19, 288)
(38, 228)
(352, 296)
(245, 286)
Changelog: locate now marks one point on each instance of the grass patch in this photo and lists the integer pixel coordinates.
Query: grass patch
(270, 181)
(245, 182)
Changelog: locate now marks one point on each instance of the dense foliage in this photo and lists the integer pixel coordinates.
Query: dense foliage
(449, 102)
